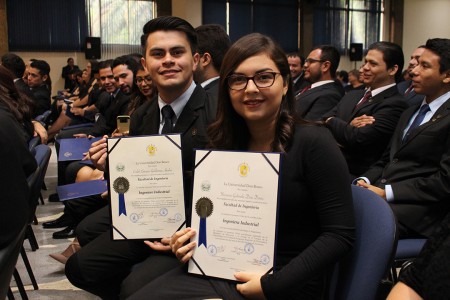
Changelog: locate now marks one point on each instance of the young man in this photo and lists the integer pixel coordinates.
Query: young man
(413, 173)
(297, 74)
(362, 143)
(324, 93)
(169, 56)
(213, 43)
(38, 75)
(406, 87)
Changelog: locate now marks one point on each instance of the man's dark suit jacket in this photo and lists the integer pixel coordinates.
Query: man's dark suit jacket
(42, 100)
(364, 146)
(212, 89)
(24, 88)
(314, 103)
(300, 84)
(412, 98)
(192, 124)
(418, 171)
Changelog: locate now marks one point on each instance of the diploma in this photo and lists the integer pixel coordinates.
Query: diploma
(146, 186)
(81, 189)
(73, 148)
(234, 211)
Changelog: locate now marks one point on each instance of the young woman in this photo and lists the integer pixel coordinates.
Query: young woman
(316, 222)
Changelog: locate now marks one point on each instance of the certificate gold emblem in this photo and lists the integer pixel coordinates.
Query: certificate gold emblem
(244, 169)
(151, 150)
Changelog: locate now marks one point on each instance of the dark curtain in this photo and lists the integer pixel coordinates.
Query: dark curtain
(46, 25)
(275, 18)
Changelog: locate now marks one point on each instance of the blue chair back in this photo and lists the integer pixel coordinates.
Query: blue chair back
(35, 181)
(358, 275)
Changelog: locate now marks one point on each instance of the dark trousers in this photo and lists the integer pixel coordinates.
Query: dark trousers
(102, 264)
(177, 284)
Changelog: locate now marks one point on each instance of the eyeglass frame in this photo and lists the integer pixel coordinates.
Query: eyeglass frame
(253, 79)
(313, 60)
(147, 81)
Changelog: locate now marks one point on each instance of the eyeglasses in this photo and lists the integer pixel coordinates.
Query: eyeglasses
(261, 80)
(147, 79)
(312, 60)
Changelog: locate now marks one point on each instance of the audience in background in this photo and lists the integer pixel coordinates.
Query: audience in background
(66, 71)
(406, 87)
(363, 143)
(354, 81)
(412, 174)
(296, 63)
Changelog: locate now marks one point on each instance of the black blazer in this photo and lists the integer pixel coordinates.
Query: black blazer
(212, 89)
(418, 171)
(364, 146)
(314, 103)
(412, 98)
(300, 84)
(41, 99)
(107, 123)
(192, 124)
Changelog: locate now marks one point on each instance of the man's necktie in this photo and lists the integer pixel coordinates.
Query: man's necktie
(367, 96)
(167, 113)
(417, 120)
(408, 90)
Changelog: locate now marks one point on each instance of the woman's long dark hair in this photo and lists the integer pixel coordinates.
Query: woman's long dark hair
(230, 131)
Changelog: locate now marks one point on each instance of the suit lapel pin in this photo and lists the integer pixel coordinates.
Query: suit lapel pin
(194, 131)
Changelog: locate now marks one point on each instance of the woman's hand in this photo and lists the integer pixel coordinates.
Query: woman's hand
(98, 153)
(251, 288)
(164, 245)
(40, 131)
(177, 244)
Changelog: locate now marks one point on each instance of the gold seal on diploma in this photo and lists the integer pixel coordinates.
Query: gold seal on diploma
(204, 207)
(151, 150)
(244, 169)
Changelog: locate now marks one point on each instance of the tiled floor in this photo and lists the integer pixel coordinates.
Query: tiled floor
(49, 273)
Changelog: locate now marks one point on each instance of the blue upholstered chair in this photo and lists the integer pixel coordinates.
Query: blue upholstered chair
(358, 275)
(407, 249)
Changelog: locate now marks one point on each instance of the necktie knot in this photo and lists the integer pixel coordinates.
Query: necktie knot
(367, 96)
(424, 109)
(167, 113)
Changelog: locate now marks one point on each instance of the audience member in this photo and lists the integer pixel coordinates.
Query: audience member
(324, 93)
(342, 76)
(296, 63)
(413, 173)
(15, 158)
(428, 276)
(169, 45)
(213, 43)
(363, 144)
(315, 224)
(40, 84)
(406, 87)
(354, 82)
(66, 70)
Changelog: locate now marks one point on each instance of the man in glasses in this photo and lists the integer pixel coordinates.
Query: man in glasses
(313, 101)
(364, 120)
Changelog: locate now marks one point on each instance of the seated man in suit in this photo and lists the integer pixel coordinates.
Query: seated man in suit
(364, 145)
(413, 174)
(406, 87)
(40, 84)
(297, 74)
(324, 93)
(169, 45)
(213, 43)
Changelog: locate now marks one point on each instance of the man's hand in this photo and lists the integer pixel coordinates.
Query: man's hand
(40, 131)
(77, 111)
(362, 121)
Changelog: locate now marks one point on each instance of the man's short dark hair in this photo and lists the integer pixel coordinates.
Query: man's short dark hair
(296, 54)
(169, 23)
(212, 38)
(42, 66)
(331, 54)
(440, 47)
(127, 60)
(14, 63)
(392, 55)
(105, 64)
